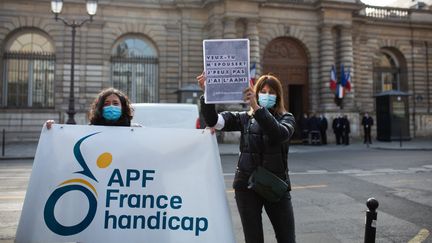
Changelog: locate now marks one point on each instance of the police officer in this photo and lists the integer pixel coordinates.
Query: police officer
(367, 123)
(345, 130)
(323, 124)
(337, 128)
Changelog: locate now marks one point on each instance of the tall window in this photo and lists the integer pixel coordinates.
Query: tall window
(28, 74)
(134, 69)
(387, 73)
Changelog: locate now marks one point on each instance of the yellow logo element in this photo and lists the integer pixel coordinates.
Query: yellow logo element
(104, 160)
(78, 180)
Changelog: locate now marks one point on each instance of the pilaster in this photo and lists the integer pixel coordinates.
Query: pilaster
(326, 61)
(347, 59)
(253, 36)
(229, 31)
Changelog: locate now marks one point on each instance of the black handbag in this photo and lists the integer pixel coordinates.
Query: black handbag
(267, 184)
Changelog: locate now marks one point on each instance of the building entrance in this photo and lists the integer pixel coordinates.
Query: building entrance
(287, 59)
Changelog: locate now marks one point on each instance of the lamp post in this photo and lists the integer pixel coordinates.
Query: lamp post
(56, 8)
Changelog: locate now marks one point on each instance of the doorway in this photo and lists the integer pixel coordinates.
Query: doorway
(295, 100)
(286, 58)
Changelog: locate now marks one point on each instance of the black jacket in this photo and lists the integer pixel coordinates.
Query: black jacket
(323, 124)
(367, 122)
(264, 140)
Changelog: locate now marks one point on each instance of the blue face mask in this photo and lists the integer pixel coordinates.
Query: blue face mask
(112, 112)
(266, 100)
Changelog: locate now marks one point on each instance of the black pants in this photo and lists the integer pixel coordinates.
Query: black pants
(280, 214)
(338, 136)
(345, 138)
(367, 135)
(323, 136)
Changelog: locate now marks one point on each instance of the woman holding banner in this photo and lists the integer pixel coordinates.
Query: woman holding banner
(110, 108)
(265, 133)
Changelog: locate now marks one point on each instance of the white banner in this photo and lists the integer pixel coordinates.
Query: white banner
(226, 67)
(112, 184)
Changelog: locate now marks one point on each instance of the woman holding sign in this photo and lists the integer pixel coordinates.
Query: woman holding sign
(111, 107)
(265, 133)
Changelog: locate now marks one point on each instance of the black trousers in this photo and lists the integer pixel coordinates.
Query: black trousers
(323, 136)
(338, 136)
(281, 215)
(345, 138)
(367, 135)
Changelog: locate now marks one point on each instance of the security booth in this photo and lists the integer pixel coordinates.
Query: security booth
(189, 94)
(392, 116)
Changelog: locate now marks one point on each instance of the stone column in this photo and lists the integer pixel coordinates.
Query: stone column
(346, 48)
(347, 59)
(253, 36)
(327, 59)
(229, 31)
(216, 28)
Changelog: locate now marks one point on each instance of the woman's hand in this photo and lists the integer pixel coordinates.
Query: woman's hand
(201, 81)
(49, 123)
(250, 98)
(212, 130)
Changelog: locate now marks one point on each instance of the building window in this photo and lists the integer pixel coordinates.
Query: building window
(135, 69)
(28, 76)
(387, 73)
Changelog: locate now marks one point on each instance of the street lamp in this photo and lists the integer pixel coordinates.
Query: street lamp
(56, 8)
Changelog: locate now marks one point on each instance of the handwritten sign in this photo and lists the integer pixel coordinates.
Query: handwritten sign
(226, 67)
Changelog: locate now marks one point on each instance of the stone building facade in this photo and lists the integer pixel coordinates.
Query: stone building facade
(151, 49)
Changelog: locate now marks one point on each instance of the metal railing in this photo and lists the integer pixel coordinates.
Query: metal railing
(28, 79)
(138, 77)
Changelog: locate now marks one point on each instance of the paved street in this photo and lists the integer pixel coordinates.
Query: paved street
(330, 187)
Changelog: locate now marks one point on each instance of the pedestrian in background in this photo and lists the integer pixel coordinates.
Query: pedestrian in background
(304, 128)
(345, 130)
(367, 123)
(111, 107)
(337, 128)
(314, 129)
(323, 125)
(266, 130)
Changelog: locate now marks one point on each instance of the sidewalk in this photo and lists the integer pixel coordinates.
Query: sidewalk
(414, 144)
(27, 150)
(24, 150)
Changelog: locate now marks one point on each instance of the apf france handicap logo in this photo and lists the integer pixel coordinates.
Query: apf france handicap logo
(76, 184)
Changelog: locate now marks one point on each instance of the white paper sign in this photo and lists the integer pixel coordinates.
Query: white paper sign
(113, 184)
(226, 67)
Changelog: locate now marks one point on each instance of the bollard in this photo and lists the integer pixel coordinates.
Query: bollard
(3, 142)
(371, 218)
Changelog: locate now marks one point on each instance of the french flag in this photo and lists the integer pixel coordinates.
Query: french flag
(347, 79)
(333, 78)
(340, 92)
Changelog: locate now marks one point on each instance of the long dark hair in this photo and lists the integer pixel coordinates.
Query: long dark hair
(95, 113)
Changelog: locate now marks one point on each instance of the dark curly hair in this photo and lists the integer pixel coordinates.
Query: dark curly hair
(95, 113)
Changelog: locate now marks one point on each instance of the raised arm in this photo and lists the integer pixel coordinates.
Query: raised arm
(226, 121)
(277, 131)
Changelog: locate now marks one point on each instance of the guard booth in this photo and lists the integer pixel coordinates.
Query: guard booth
(189, 94)
(392, 116)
